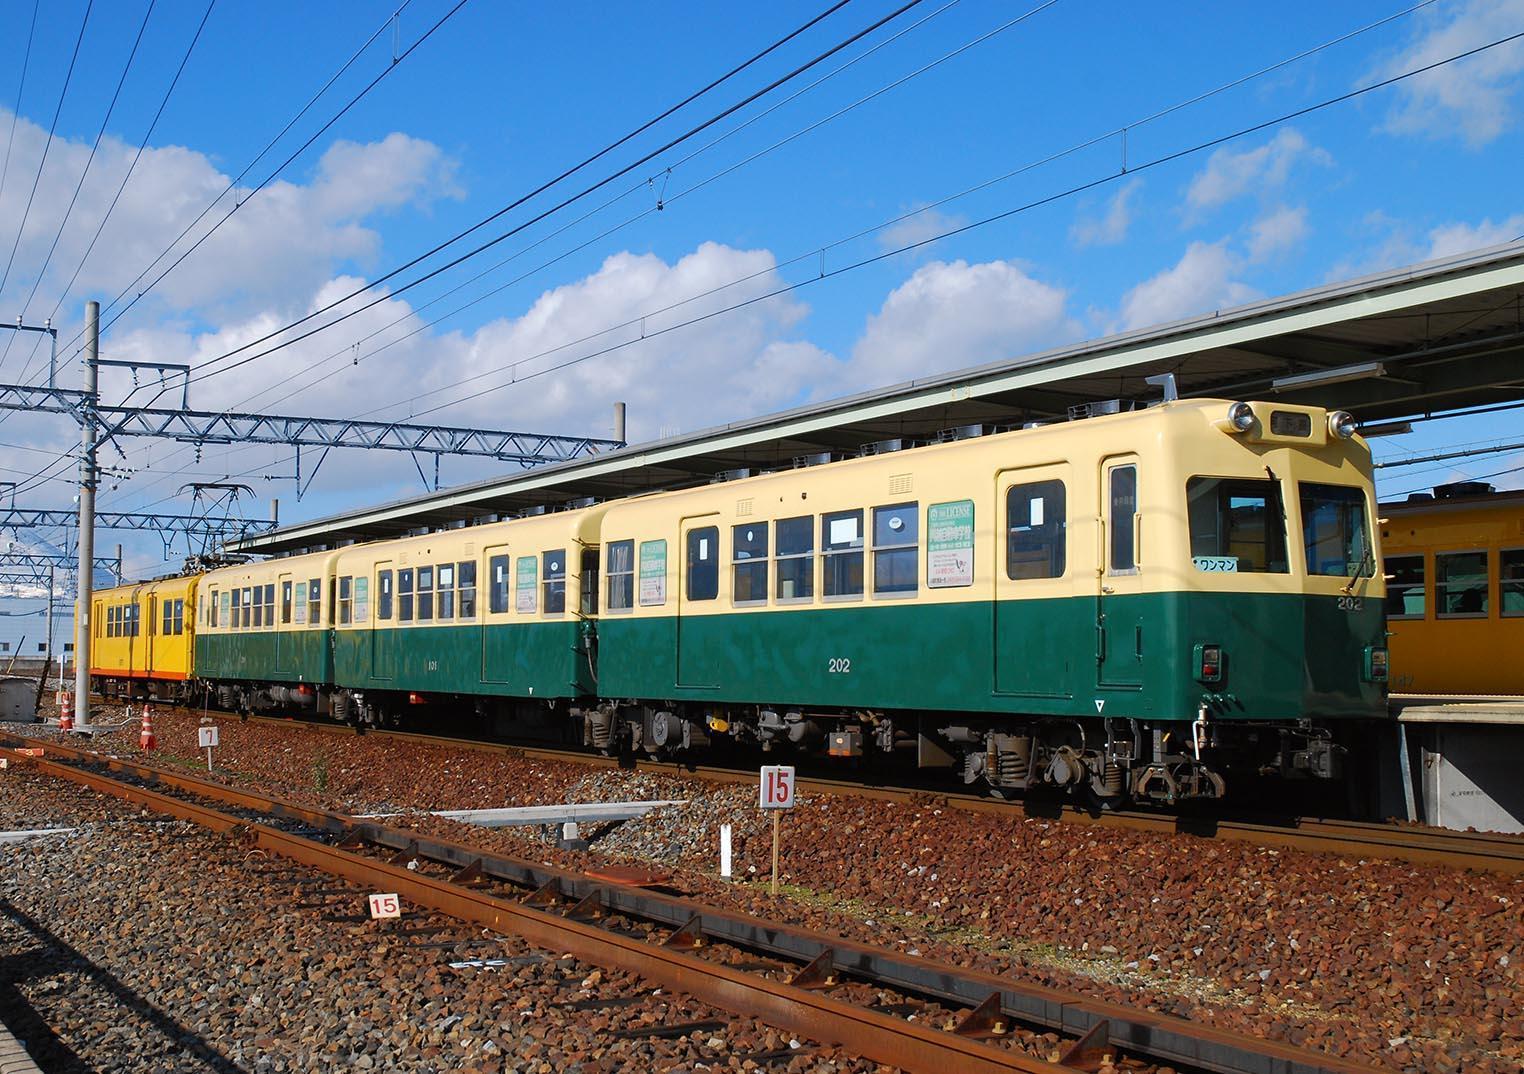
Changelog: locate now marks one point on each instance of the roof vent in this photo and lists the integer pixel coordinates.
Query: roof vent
(1098, 408)
(530, 512)
(1035, 424)
(731, 475)
(817, 459)
(964, 432)
(1420, 497)
(1463, 488)
(581, 502)
(883, 447)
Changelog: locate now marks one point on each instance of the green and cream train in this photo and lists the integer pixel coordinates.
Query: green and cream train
(1138, 604)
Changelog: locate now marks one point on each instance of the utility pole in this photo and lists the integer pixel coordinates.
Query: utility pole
(87, 481)
(47, 658)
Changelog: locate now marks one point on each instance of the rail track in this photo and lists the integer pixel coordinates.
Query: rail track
(1486, 851)
(584, 915)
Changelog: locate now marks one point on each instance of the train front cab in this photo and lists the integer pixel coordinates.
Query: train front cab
(142, 638)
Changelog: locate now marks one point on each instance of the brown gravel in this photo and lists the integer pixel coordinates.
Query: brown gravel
(1413, 967)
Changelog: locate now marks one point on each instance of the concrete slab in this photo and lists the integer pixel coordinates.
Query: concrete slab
(34, 833)
(580, 812)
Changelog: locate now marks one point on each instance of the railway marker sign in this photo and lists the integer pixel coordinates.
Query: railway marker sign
(385, 905)
(776, 794)
(206, 738)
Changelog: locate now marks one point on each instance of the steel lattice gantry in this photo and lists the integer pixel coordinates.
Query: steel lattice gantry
(37, 564)
(18, 518)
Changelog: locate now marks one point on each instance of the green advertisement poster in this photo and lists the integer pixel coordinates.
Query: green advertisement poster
(950, 544)
(653, 572)
(524, 586)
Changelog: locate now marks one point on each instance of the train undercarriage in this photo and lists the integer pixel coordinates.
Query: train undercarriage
(1106, 761)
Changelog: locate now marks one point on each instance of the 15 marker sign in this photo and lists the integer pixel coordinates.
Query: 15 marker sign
(777, 790)
(388, 905)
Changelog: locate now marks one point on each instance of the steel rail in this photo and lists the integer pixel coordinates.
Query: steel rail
(1485, 851)
(1095, 1023)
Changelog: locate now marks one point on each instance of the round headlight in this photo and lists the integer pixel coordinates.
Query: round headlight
(1241, 417)
(1342, 424)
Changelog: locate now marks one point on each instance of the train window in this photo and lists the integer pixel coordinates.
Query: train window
(1404, 587)
(1123, 484)
(497, 584)
(555, 581)
(137, 617)
(405, 595)
(1237, 525)
(896, 549)
(315, 602)
(587, 585)
(1460, 584)
(1511, 581)
(110, 623)
(236, 621)
(210, 603)
(445, 588)
(286, 589)
(748, 549)
(346, 600)
(180, 616)
(525, 584)
(384, 595)
(270, 605)
(425, 579)
(1333, 531)
(1037, 530)
(653, 573)
(703, 563)
(621, 576)
(167, 617)
(841, 551)
(249, 595)
(795, 548)
(466, 583)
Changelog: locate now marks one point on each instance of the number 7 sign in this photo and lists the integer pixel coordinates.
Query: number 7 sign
(777, 790)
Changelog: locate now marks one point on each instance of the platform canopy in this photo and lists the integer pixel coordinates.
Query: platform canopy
(1436, 337)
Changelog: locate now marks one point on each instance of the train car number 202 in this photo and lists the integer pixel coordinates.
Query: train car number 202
(839, 665)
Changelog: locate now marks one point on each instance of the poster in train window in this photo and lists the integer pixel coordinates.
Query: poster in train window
(653, 572)
(950, 544)
(524, 584)
(227, 602)
(362, 599)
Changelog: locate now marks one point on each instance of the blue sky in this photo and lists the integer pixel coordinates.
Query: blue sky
(503, 96)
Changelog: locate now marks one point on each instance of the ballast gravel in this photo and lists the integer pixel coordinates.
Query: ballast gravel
(1411, 967)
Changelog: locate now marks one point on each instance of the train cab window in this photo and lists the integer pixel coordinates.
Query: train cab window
(1511, 581)
(841, 550)
(794, 542)
(1460, 585)
(315, 602)
(1237, 525)
(384, 595)
(554, 583)
(270, 605)
(587, 585)
(497, 585)
(466, 587)
(405, 595)
(445, 590)
(621, 576)
(346, 600)
(180, 616)
(1334, 532)
(896, 549)
(425, 579)
(748, 550)
(1122, 486)
(1036, 530)
(1404, 587)
(167, 617)
(703, 563)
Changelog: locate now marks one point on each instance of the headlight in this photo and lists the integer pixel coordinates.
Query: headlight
(1240, 417)
(1342, 423)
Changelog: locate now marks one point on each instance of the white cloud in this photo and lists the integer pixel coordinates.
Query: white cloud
(949, 315)
(1200, 282)
(1468, 99)
(1110, 229)
(1277, 232)
(1460, 238)
(925, 224)
(1231, 173)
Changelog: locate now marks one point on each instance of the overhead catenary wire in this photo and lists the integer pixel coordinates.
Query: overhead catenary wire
(84, 172)
(542, 215)
(43, 163)
(132, 167)
(26, 62)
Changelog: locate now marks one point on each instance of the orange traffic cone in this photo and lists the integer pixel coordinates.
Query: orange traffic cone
(65, 710)
(145, 736)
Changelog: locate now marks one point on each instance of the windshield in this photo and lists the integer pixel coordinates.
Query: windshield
(1236, 525)
(1333, 529)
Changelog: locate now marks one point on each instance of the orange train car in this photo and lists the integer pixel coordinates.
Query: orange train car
(1455, 591)
(142, 639)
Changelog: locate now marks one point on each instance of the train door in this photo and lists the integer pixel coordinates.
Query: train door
(698, 590)
(383, 639)
(1034, 620)
(150, 632)
(1119, 618)
(284, 640)
(497, 652)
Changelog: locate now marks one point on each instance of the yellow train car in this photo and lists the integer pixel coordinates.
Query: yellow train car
(143, 637)
(1455, 582)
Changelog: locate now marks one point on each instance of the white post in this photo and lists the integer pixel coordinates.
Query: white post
(86, 516)
(725, 851)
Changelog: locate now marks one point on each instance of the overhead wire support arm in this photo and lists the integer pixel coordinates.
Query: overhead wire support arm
(19, 518)
(229, 427)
